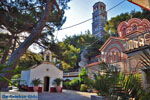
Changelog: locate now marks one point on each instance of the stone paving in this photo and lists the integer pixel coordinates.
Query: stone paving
(66, 95)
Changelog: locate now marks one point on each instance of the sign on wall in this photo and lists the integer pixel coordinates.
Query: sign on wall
(18, 96)
(142, 3)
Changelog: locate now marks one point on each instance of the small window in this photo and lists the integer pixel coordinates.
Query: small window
(134, 28)
(124, 31)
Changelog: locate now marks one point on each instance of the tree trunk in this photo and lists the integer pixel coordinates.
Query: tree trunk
(4, 84)
(34, 36)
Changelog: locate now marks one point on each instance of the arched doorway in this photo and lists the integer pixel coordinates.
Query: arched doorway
(46, 83)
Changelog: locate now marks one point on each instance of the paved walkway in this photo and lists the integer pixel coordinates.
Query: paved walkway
(66, 95)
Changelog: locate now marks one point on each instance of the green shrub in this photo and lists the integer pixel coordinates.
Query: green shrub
(89, 82)
(72, 84)
(75, 84)
(83, 75)
(83, 88)
(103, 83)
(66, 85)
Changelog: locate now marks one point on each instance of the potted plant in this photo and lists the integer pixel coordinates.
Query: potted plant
(36, 83)
(57, 82)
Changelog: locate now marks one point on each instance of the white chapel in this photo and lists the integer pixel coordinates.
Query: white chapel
(47, 72)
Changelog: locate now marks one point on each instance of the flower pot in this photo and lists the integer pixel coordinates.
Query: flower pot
(35, 88)
(58, 88)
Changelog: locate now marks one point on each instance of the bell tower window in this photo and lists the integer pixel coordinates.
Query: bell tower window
(48, 56)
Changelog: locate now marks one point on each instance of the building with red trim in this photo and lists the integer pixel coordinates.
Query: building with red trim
(124, 51)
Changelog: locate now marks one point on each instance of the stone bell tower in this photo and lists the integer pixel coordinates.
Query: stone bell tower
(99, 19)
(48, 56)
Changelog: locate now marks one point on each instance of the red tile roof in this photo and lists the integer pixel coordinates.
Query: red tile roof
(108, 40)
(92, 64)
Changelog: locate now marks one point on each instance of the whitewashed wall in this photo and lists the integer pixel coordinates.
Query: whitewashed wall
(41, 71)
(25, 77)
(44, 70)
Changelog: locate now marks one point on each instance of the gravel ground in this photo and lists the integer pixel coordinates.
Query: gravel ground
(66, 95)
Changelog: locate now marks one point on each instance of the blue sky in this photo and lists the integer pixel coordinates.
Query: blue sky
(81, 10)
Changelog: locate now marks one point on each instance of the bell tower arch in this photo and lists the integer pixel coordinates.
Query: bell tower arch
(48, 56)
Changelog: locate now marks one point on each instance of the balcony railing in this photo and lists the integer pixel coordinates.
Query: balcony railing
(71, 74)
(138, 41)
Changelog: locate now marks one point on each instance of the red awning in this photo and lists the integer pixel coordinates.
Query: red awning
(142, 3)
